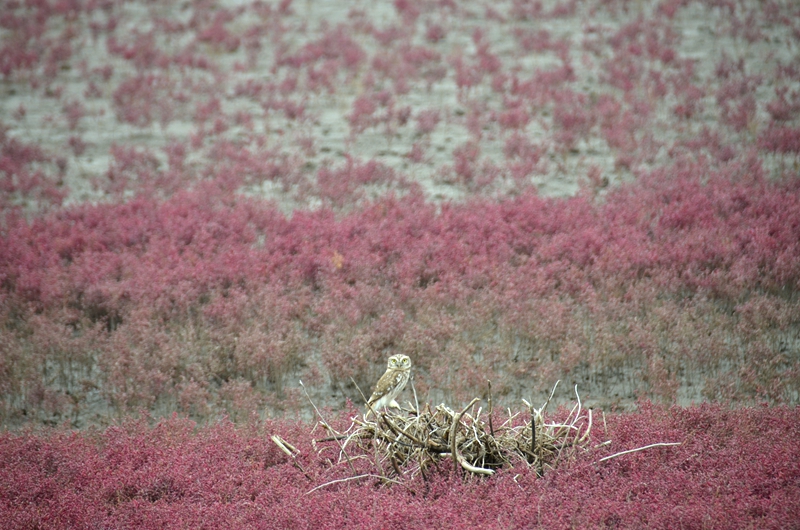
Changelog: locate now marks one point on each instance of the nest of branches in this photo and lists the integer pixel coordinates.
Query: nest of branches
(409, 441)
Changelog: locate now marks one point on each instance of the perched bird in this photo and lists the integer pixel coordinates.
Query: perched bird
(391, 383)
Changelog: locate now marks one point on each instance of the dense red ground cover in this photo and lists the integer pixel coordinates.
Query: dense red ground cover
(198, 302)
(734, 469)
(179, 286)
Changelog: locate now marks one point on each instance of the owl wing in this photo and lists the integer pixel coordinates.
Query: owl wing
(385, 384)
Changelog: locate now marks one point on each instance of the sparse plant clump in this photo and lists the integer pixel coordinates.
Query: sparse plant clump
(636, 94)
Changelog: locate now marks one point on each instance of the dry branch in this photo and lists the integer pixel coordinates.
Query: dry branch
(615, 455)
(409, 441)
(290, 450)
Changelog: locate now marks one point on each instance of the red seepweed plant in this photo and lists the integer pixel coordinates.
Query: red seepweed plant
(657, 279)
(740, 463)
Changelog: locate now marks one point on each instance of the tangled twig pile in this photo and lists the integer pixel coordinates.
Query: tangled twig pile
(406, 443)
(412, 440)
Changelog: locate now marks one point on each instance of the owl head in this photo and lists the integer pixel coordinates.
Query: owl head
(399, 362)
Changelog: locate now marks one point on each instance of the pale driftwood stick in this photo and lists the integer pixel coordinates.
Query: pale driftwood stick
(327, 426)
(660, 444)
(433, 446)
(474, 469)
(552, 392)
(533, 432)
(456, 421)
(421, 439)
(333, 438)
(378, 458)
(281, 445)
(292, 448)
(289, 449)
(588, 429)
(416, 403)
(395, 466)
(357, 477)
(578, 406)
(491, 409)
(365, 400)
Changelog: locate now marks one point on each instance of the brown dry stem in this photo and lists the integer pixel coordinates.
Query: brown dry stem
(407, 442)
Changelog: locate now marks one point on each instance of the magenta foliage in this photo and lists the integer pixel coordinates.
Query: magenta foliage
(733, 469)
(24, 46)
(783, 109)
(435, 33)
(74, 111)
(780, 140)
(29, 176)
(217, 34)
(417, 152)
(570, 117)
(173, 68)
(465, 158)
(141, 99)
(77, 145)
(736, 101)
(362, 115)
(427, 120)
(376, 108)
(515, 115)
(340, 185)
(142, 51)
(523, 155)
(175, 292)
(540, 41)
(467, 75)
(334, 45)
(146, 269)
(668, 489)
(406, 63)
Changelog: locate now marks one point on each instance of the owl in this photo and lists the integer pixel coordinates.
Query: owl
(391, 383)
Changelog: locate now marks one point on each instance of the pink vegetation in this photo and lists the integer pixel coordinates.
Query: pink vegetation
(159, 298)
(743, 464)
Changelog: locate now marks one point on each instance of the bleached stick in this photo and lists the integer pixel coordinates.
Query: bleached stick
(660, 444)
